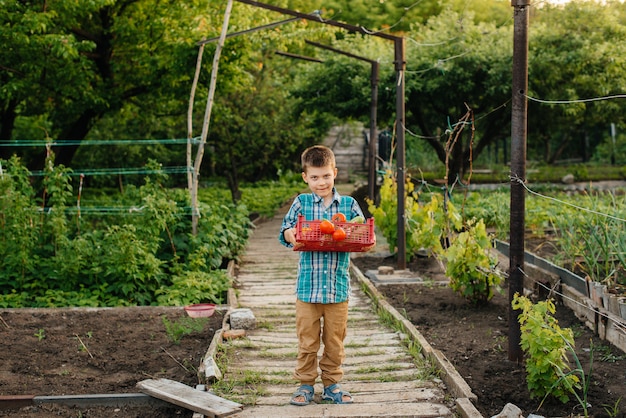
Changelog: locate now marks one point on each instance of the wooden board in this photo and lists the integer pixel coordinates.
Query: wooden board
(182, 395)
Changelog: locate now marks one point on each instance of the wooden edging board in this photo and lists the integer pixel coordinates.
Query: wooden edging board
(182, 395)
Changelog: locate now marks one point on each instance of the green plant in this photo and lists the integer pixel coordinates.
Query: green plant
(470, 266)
(428, 225)
(432, 223)
(126, 248)
(195, 287)
(82, 346)
(176, 330)
(607, 355)
(40, 334)
(385, 213)
(613, 410)
(546, 346)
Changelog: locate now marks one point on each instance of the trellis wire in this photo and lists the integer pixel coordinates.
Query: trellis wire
(106, 210)
(71, 142)
(517, 179)
(552, 290)
(127, 171)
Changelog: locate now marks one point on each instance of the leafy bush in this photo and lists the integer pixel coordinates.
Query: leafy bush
(194, 287)
(437, 226)
(132, 250)
(546, 346)
(470, 266)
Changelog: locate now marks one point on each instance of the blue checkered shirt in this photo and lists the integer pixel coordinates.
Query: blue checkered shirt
(323, 277)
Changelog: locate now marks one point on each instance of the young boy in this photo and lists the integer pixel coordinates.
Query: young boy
(323, 281)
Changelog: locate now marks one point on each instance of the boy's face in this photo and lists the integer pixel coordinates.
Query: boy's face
(321, 180)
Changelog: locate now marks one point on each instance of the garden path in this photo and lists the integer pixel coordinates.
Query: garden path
(379, 371)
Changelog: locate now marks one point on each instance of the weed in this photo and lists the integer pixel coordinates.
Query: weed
(613, 410)
(185, 325)
(40, 334)
(355, 344)
(500, 344)
(371, 352)
(243, 343)
(267, 354)
(428, 282)
(244, 387)
(266, 325)
(607, 355)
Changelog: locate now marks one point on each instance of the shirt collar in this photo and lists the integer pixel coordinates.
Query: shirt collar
(336, 196)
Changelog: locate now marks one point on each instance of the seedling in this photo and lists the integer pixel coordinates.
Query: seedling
(40, 334)
(612, 410)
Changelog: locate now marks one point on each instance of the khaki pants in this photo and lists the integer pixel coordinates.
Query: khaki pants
(309, 328)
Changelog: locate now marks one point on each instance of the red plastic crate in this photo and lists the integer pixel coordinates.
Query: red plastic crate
(359, 237)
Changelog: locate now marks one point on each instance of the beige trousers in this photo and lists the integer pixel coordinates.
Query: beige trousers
(330, 321)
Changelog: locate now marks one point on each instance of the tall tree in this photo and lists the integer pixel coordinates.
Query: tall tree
(453, 65)
(577, 53)
(457, 63)
(74, 62)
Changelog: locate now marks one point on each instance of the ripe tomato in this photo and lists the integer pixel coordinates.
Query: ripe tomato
(339, 234)
(339, 217)
(327, 227)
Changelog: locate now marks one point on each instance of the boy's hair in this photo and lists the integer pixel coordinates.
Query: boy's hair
(317, 156)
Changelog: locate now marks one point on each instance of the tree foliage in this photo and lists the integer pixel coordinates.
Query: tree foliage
(458, 82)
(576, 53)
(112, 69)
(55, 255)
(71, 63)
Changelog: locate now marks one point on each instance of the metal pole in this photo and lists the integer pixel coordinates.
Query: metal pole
(371, 179)
(400, 157)
(247, 31)
(519, 122)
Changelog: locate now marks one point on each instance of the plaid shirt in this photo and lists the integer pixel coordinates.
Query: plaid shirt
(323, 276)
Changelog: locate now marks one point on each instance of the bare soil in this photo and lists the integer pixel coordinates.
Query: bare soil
(475, 340)
(49, 352)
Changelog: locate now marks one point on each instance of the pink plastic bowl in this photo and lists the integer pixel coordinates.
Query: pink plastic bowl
(200, 310)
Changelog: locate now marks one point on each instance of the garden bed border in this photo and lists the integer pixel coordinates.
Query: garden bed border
(574, 294)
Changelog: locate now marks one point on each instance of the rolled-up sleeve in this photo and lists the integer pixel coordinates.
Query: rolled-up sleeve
(289, 221)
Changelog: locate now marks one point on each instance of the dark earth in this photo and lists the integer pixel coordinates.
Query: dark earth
(49, 352)
(69, 351)
(475, 340)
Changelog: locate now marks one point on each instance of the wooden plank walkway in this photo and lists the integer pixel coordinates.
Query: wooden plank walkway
(379, 371)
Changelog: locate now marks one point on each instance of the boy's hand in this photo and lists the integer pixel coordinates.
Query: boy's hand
(290, 235)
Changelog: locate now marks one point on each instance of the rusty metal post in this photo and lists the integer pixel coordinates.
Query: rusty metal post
(400, 63)
(519, 123)
(371, 169)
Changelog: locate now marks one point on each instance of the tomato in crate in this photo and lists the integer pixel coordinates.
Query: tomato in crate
(326, 227)
(359, 237)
